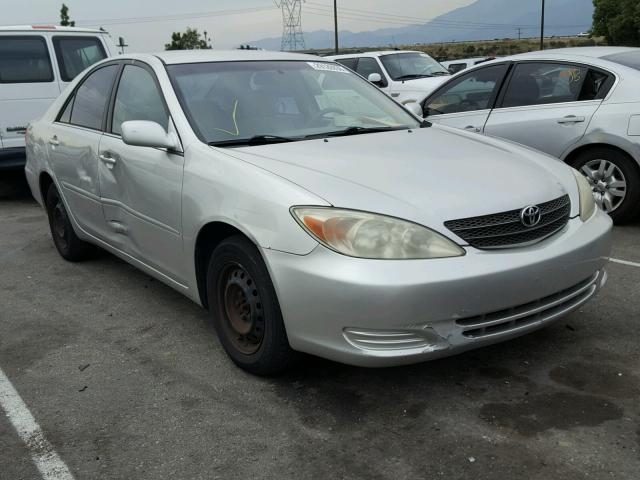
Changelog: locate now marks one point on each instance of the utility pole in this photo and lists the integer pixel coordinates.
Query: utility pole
(335, 24)
(542, 28)
(519, 33)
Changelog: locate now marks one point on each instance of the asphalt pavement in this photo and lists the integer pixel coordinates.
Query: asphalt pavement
(127, 380)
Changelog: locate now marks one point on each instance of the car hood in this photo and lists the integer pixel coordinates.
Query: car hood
(422, 85)
(428, 175)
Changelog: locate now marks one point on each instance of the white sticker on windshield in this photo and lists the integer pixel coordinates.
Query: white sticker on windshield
(327, 67)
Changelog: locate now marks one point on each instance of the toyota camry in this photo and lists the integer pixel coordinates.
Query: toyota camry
(309, 212)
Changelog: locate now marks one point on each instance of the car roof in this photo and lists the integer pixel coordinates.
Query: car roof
(172, 57)
(378, 53)
(569, 53)
(466, 60)
(48, 28)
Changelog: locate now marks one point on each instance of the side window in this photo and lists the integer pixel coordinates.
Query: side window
(457, 67)
(475, 90)
(367, 66)
(91, 98)
(543, 83)
(138, 98)
(74, 54)
(348, 62)
(24, 59)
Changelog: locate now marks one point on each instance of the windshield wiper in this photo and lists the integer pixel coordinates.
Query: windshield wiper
(355, 131)
(414, 76)
(253, 141)
(440, 73)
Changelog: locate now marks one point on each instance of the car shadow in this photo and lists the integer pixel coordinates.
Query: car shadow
(14, 187)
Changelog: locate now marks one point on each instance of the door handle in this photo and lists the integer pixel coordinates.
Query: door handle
(570, 119)
(108, 160)
(471, 128)
(54, 141)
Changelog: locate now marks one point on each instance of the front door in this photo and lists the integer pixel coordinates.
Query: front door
(466, 102)
(548, 106)
(141, 187)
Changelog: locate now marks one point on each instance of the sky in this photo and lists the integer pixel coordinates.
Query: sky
(147, 25)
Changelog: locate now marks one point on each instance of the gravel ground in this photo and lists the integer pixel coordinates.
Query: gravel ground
(128, 381)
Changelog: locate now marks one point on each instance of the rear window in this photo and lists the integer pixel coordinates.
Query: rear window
(24, 59)
(77, 53)
(628, 59)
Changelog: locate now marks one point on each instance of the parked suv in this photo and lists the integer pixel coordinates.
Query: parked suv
(406, 76)
(36, 64)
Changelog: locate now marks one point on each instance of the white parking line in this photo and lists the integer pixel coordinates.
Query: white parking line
(47, 461)
(625, 262)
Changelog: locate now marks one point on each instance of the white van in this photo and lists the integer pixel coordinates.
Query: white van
(36, 64)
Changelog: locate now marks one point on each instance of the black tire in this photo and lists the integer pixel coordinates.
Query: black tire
(70, 247)
(629, 209)
(244, 309)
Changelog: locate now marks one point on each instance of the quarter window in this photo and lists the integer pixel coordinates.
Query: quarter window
(24, 59)
(91, 98)
(75, 54)
(138, 98)
(473, 91)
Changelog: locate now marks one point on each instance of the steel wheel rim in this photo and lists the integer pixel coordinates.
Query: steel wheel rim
(242, 314)
(608, 183)
(59, 223)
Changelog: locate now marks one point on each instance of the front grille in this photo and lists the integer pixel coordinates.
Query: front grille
(536, 312)
(503, 230)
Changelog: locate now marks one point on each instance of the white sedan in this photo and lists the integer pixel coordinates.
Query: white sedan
(310, 212)
(581, 105)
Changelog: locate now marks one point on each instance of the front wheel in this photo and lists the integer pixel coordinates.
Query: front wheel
(614, 179)
(245, 310)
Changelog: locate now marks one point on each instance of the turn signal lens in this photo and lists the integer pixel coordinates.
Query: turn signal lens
(369, 235)
(587, 202)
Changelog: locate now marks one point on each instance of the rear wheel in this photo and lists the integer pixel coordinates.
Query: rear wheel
(67, 243)
(245, 310)
(614, 179)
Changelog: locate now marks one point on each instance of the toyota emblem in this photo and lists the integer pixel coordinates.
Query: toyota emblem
(530, 216)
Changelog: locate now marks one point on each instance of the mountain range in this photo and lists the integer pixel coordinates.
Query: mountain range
(482, 20)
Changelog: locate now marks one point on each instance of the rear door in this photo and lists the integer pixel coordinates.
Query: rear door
(466, 101)
(548, 105)
(73, 144)
(141, 187)
(28, 84)
(75, 53)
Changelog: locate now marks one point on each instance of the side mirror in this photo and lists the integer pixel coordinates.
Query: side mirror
(415, 108)
(142, 133)
(375, 78)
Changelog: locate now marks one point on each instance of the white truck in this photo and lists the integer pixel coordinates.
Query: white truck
(36, 65)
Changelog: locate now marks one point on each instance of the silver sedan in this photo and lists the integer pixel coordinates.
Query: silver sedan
(581, 105)
(309, 212)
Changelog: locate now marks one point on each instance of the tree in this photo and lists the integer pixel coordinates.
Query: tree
(64, 17)
(189, 40)
(618, 21)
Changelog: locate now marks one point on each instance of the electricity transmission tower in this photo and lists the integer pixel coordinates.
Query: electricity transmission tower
(292, 38)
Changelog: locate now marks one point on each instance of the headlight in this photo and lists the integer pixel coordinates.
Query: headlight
(368, 235)
(587, 202)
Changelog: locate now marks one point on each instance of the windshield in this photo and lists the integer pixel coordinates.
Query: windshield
(628, 59)
(235, 102)
(407, 66)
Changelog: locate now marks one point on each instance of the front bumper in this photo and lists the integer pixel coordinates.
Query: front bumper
(12, 158)
(383, 313)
